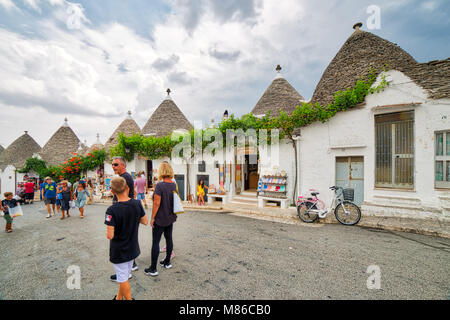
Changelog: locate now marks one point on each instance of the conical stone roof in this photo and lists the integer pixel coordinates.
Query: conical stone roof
(166, 119)
(280, 95)
(128, 127)
(361, 51)
(19, 151)
(59, 147)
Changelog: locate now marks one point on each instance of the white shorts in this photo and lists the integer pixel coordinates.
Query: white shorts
(123, 271)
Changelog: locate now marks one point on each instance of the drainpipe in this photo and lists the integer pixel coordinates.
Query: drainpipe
(297, 140)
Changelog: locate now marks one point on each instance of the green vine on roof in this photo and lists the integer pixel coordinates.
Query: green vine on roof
(303, 115)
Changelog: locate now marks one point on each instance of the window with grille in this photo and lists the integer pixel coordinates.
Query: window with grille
(442, 160)
(394, 145)
(201, 166)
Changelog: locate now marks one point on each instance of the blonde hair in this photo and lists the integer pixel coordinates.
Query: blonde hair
(118, 185)
(65, 182)
(165, 171)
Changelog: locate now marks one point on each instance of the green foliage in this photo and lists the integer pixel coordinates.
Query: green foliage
(71, 169)
(35, 164)
(303, 115)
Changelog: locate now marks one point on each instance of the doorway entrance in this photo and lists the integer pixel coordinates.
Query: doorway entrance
(251, 176)
(205, 179)
(179, 179)
(350, 174)
(150, 173)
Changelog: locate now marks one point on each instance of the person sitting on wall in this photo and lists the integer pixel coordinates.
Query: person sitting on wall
(201, 192)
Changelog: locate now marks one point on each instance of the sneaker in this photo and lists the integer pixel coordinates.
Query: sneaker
(48, 216)
(165, 265)
(135, 267)
(151, 272)
(114, 277)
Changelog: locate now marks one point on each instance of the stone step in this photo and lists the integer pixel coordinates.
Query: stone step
(241, 198)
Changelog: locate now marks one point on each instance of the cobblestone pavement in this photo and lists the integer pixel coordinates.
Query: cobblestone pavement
(221, 256)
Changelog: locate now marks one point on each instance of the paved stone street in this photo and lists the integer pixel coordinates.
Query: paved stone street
(222, 256)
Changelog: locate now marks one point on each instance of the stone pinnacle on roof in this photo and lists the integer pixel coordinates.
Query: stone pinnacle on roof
(66, 123)
(168, 94)
(129, 115)
(357, 25)
(278, 69)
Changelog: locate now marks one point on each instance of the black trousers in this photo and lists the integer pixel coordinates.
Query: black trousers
(158, 231)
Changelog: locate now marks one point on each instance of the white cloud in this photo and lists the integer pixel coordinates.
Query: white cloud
(33, 4)
(8, 5)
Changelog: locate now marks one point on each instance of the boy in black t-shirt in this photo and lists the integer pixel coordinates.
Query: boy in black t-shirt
(9, 202)
(122, 220)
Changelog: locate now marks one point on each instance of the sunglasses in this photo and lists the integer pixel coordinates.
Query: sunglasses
(115, 164)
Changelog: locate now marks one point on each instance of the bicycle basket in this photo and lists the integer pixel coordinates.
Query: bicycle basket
(349, 194)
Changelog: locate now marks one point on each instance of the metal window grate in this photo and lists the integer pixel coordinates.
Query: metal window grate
(394, 150)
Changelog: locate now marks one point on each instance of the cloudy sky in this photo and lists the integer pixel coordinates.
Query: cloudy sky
(93, 60)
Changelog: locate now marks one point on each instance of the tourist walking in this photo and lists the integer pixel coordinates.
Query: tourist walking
(75, 185)
(9, 202)
(120, 168)
(29, 192)
(122, 220)
(49, 195)
(90, 190)
(163, 217)
(140, 186)
(58, 196)
(66, 195)
(41, 186)
(81, 198)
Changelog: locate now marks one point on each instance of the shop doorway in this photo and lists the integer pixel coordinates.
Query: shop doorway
(251, 176)
(205, 179)
(150, 173)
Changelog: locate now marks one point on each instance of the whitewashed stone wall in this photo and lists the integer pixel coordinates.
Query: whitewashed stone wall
(352, 133)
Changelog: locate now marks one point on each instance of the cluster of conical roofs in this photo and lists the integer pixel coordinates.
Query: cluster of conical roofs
(361, 51)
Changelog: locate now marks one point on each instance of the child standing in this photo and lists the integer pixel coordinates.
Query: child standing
(66, 197)
(81, 197)
(58, 197)
(9, 202)
(122, 220)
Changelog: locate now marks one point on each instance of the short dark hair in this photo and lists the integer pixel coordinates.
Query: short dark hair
(121, 160)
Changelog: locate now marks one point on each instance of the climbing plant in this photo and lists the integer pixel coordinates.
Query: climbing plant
(303, 115)
(71, 169)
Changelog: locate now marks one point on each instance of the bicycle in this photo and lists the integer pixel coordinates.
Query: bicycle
(346, 212)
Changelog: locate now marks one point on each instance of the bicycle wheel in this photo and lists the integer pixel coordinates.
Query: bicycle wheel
(350, 216)
(304, 214)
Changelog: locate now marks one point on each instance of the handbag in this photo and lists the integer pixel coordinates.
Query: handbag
(72, 204)
(177, 205)
(16, 211)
